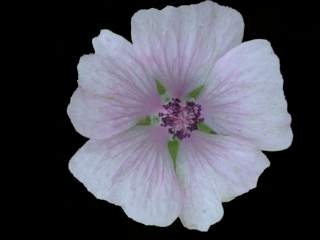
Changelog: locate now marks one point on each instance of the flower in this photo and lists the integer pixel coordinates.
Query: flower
(177, 119)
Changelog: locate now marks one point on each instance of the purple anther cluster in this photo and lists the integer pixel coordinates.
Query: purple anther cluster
(181, 119)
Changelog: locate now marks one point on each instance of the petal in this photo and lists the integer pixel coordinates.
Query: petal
(99, 117)
(114, 73)
(215, 169)
(179, 45)
(245, 97)
(133, 170)
(113, 69)
(109, 44)
(201, 206)
(116, 90)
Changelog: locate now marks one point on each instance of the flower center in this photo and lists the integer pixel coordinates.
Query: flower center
(180, 118)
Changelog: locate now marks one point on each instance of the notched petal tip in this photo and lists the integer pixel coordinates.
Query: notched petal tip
(264, 164)
(286, 140)
(109, 44)
(204, 225)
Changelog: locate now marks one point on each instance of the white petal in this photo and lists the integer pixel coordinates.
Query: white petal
(114, 71)
(179, 45)
(215, 169)
(202, 206)
(100, 117)
(115, 89)
(109, 44)
(245, 98)
(133, 170)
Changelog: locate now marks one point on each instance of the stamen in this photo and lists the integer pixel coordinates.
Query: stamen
(181, 119)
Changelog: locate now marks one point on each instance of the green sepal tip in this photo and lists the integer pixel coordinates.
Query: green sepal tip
(195, 93)
(148, 120)
(161, 88)
(173, 147)
(205, 128)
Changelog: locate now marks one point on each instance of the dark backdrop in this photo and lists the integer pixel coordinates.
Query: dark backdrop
(284, 202)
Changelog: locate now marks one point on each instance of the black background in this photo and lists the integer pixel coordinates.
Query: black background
(283, 204)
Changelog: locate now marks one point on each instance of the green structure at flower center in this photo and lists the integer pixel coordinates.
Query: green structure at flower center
(181, 117)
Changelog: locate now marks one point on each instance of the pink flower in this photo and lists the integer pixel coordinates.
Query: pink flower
(178, 119)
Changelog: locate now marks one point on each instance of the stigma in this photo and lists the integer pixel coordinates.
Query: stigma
(181, 118)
